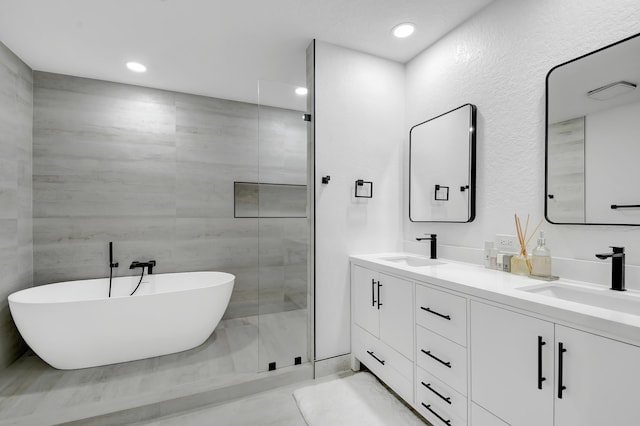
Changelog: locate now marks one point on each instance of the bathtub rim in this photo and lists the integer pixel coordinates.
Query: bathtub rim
(16, 297)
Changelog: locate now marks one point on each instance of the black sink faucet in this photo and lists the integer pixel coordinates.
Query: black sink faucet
(149, 265)
(434, 240)
(617, 267)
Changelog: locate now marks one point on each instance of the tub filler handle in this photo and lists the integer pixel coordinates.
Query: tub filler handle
(149, 265)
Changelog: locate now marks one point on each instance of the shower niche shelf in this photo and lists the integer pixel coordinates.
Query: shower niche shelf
(269, 200)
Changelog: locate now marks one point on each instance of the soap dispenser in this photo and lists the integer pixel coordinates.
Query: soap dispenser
(541, 259)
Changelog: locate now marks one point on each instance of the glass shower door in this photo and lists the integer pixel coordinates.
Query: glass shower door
(282, 227)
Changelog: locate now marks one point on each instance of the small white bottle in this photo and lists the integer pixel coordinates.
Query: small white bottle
(541, 258)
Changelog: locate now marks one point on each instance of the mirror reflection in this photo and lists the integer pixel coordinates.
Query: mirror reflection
(442, 167)
(592, 148)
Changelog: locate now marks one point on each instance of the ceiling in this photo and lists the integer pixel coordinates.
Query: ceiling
(214, 47)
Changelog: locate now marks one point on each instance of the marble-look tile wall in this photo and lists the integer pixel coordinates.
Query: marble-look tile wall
(16, 244)
(153, 172)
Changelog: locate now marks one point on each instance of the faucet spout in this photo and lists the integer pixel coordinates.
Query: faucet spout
(434, 241)
(149, 265)
(617, 267)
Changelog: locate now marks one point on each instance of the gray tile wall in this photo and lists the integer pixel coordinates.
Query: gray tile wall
(16, 245)
(153, 171)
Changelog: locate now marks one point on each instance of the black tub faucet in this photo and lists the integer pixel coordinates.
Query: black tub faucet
(149, 265)
(617, 267)
(434, 240)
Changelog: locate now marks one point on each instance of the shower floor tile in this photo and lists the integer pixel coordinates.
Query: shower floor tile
(32, 392)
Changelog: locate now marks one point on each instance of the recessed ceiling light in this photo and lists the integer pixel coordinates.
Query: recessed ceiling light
(301, 91)
(403, 30)
(136, 67)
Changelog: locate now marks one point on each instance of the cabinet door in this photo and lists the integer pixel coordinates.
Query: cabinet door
(601, 378)
(481, 417)
(396, 314)
(505, 363)
(364, 295)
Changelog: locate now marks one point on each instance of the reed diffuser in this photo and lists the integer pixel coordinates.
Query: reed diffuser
(521, 263)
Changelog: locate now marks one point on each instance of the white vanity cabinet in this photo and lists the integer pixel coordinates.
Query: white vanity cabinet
(462, 354)
(511, 354)
(382, 327)
(441, 356)
(364, 302)
(382, 306)
(601, 377)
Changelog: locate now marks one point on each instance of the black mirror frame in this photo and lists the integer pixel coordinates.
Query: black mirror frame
(546, 139)
(472, 167)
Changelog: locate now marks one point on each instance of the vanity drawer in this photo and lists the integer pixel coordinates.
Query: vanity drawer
(448, 401)
(443, 358)
(386, 363)
(443, 313)
(439, 415)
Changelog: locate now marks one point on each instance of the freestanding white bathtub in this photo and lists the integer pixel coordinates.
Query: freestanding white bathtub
(74, 324)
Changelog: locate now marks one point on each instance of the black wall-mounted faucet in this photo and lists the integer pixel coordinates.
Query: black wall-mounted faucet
(150, 264)
(617, 267)
(434, 240)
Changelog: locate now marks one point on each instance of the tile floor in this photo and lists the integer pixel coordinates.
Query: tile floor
(274, 407)
(31, 392)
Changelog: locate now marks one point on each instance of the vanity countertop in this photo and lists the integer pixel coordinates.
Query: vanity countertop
(506, 288)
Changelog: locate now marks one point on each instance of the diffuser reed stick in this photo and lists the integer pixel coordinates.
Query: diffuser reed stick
(524, 239)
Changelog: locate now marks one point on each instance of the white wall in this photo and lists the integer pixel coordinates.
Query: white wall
(498, 61)
(359, 117)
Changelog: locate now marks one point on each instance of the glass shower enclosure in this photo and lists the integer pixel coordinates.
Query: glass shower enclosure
(276, 202)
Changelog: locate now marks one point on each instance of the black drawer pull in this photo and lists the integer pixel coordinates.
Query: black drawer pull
(447, 317)
(428, 386)
(448, 364)
(561, 351)
(428, 407)
(375, 357)
(373, 292)
(541, 379)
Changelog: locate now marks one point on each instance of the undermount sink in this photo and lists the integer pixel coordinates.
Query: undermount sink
(414, 261)
(601, 297)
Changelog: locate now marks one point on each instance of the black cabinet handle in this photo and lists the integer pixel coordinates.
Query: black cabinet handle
(373, 292)
(379, 285)
(541, 379)
(447, 317)
(375, 357)
(428, 407)
(428, 386)
(561, 351)
(448, 364)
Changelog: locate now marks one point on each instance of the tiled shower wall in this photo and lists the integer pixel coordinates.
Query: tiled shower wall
(153, 172)
(16, 246)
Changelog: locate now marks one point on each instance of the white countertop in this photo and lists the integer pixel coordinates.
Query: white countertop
(503, 287)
